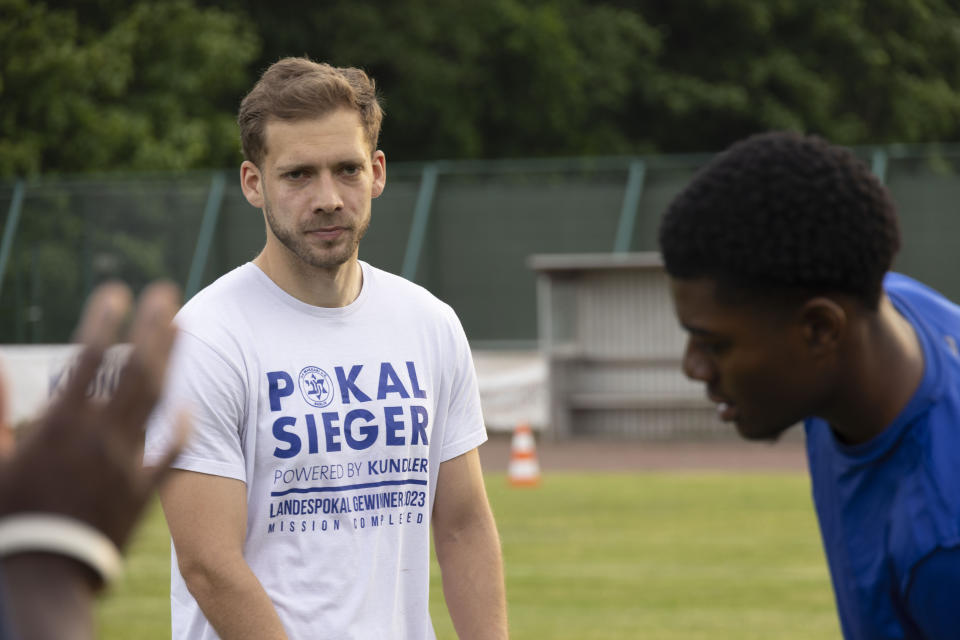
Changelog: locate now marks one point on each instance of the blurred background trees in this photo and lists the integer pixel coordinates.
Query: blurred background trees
(141, 92)
(109, 84)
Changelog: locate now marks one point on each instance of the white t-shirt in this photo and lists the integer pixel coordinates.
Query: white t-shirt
(337, 420)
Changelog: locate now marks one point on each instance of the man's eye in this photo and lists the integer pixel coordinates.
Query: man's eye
(713, 347)
(716, 348)
(295, 175)
(351, 169)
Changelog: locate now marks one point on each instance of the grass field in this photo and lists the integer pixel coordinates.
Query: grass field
(607, 556)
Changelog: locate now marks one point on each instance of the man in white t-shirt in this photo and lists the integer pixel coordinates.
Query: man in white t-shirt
(336, 408)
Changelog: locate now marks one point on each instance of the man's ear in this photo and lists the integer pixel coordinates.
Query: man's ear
(251, 182)
(378, 162)
(824, 324)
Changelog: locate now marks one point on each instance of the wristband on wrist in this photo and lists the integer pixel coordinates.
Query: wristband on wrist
(49, 533)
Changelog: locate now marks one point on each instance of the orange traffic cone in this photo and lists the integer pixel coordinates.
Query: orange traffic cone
(524, 470)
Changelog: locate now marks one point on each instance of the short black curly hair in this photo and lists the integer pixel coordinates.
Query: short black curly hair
(782, 211)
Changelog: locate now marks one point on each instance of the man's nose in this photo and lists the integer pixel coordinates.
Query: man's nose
(696, 365)
(326, 195)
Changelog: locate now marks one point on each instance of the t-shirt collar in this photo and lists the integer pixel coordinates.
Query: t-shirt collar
(274, 291)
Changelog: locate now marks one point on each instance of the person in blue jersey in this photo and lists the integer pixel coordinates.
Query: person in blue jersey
(779, 254)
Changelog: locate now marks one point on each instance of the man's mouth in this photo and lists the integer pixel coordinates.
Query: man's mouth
(326, 232)
(726, 410)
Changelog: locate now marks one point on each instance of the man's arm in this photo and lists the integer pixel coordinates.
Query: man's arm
(46, 595)
(468, 550)
(207, 516)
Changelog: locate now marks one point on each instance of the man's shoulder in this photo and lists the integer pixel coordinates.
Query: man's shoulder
(219, 315)
(918, 294)
(229, 291)
(391, 286)
(928, 305)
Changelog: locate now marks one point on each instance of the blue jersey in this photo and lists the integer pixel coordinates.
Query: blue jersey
(889, 508)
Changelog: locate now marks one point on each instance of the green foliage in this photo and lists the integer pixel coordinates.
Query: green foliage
(856, 72)
(505, 78)
(147, 85)
(479, 79)
(105, 84)
(74, 234)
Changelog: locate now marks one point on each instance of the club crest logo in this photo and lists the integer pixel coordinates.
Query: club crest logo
(316, 385)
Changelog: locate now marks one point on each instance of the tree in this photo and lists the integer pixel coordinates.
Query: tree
(475, 79)
(101, 84)
(505, 78)
(118, 86)
(856, 72)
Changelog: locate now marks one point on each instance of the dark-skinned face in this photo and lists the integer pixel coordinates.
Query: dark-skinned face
(757, 362)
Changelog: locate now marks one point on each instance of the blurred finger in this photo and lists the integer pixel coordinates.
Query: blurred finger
(142, 377)
(80, 375)
(153, 332)
(133, 400)
(103, 315)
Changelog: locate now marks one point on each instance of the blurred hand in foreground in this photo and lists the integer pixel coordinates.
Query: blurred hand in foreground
(82, 458)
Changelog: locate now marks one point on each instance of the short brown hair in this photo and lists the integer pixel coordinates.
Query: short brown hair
(300, 89)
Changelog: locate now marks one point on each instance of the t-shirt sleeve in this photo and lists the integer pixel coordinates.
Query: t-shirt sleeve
(204, 382)
(932, 595)
(464, 426)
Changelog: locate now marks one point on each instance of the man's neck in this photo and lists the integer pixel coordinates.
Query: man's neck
(889, 368)
(321, 287)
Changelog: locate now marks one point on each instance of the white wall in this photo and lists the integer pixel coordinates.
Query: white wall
(29, 371)
(512, 384)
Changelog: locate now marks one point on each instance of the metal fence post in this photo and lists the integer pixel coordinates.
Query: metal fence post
(421, 216)
(10, 228)
(631, 202)
(878, 164)
(208, 225)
